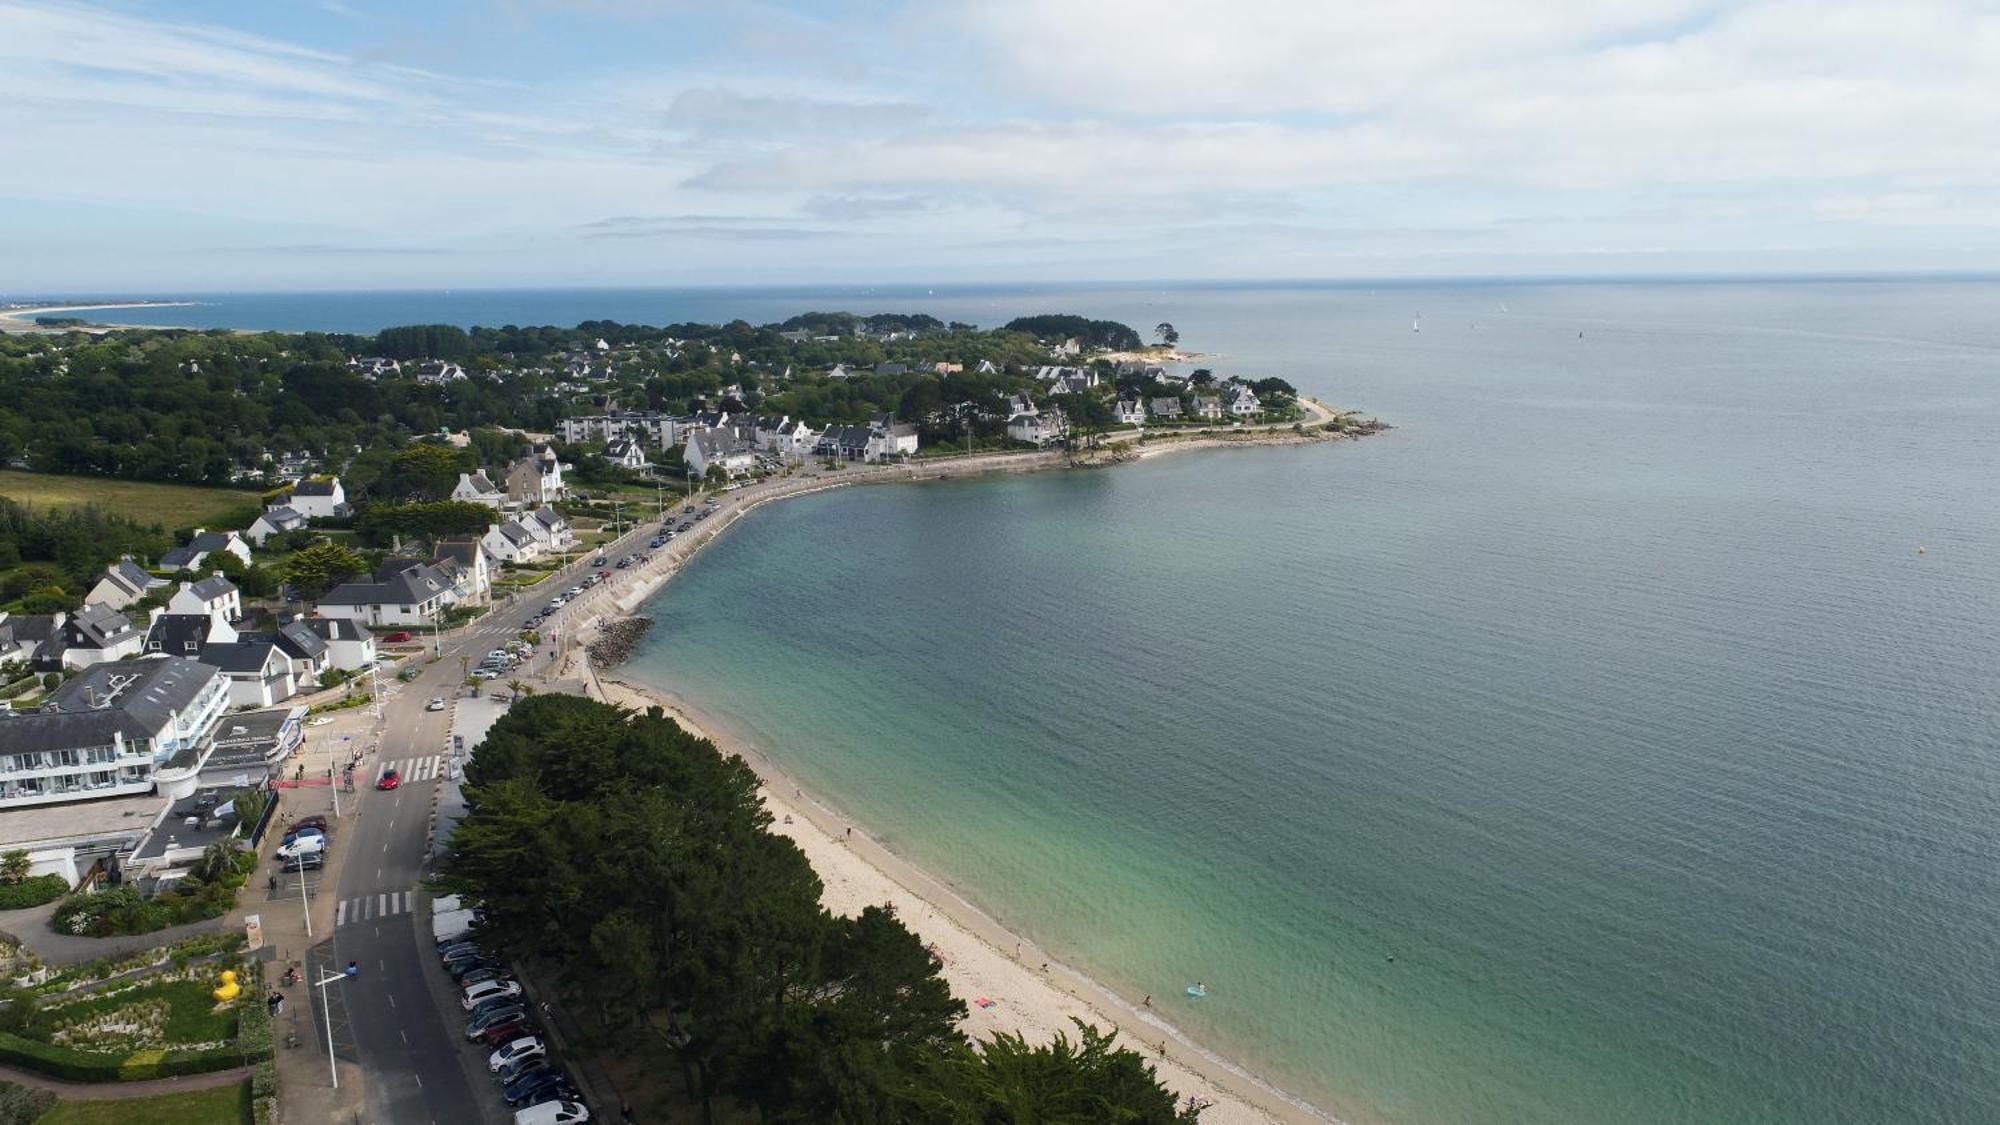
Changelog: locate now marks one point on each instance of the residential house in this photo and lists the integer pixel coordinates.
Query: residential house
(471, 569)
(1129, 412)
(401, 593)
(273, 521)
(306, 650)
(1068, 347)
(186, 634)
(718, 448)
(1243, 403)
(437, 372)
(374, 366)
(259, 674)
(986, 368)
(104, 732)
(626, 453)
(548, 527)
(1168, 408)
(25, 636)
(892, 438)
(536, 478)
(510, 543)
(349, 647)
(1019, 404)
(1041, 429)
(795, 336)
(945, 367)
(215, 595)
(95, 634)
(124, 582)
(1208, 407)
(839, 372)
(892, 369)
(795, 440)
(315, 498)
(477, 488)
(845, 443)
(204, 544)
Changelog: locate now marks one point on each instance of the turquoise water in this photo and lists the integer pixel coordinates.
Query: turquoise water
(1608, 694)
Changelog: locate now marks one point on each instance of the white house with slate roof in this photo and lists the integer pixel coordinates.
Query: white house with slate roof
(536, 478)
(98, 634)
(349, 647)
(404, 592)
(510, 542)
(273, 521)
(215, 595)
(1039, 429)
(1243, 403)
(204, 544)
(259, 674)
(1128, 412)
(1164, 408)
(308, 653)
(186, 634)
(625, 453)
(1209, 408)
(321, 499)
(124, 582)
(478, 488)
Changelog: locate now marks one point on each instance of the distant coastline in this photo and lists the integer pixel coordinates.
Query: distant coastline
(22, 318)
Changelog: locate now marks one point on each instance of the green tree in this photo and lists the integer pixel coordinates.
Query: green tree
(1167, 333)
(422, 471)
(314, 570)
(14, 866)
(1087, 1081)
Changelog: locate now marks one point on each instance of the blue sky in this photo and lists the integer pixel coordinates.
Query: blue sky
(350, 143)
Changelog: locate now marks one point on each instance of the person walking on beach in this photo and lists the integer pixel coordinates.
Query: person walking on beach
(1147, 1002)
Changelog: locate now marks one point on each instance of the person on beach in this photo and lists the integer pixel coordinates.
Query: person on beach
(1147, 1002)
(850, 832)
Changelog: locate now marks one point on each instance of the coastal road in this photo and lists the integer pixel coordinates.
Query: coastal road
(399, 1019)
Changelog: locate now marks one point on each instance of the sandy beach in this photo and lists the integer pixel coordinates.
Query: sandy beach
(979, 956)
(23, 319)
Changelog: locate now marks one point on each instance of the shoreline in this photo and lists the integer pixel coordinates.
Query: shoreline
(859, 871)
(23, 319)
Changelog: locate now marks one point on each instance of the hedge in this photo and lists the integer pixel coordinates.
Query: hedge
(58, 1062)
(20, 686)
(88, 1066)
(24, 1103)
(32, 892)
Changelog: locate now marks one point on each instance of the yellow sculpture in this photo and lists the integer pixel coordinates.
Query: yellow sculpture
(229, 987)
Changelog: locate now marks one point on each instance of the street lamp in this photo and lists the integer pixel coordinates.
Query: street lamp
(326, 1015)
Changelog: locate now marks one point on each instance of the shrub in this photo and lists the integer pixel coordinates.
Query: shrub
(32, 892)
(58, 1062)
(20, 1105)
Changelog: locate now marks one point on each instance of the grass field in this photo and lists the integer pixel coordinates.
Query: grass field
(223, 1105)
(170, 505)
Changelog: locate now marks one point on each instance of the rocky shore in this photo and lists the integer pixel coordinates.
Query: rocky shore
(616, 639)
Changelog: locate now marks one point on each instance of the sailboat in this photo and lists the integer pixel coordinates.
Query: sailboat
(1503, 306)
(1417, 325)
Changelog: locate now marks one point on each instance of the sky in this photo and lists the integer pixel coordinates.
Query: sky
(203, 145)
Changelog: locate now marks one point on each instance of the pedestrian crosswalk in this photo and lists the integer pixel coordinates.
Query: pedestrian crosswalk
(414, 770)
(367, 908)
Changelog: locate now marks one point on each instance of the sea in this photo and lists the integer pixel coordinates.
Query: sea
(1613, 740)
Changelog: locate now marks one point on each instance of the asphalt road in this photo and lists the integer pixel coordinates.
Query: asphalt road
(399, 1018)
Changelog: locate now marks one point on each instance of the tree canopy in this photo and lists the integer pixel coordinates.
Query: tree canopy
(636, 860)
(1090, 333)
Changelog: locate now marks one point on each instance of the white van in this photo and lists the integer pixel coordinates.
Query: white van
(451, 925)
(303, 845)
(445, 905)
(553, 1113)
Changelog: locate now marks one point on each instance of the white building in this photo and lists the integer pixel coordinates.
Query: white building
(349, 646)
(477, 488)
(315, 499)
(215, 595)
(1129, 412)
(1039, 429)
(403, 593)
(536, 478)
(102, 733)
(273, 521)
(259, 673)
(625, 452)
(1243, 403)
(205, 543)
(124, 582)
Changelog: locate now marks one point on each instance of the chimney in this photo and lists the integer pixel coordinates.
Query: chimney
(89, 696)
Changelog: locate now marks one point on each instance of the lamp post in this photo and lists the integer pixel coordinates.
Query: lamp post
(326, 1015)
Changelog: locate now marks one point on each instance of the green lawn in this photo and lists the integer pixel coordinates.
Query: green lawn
(170, 505)
(223, 1105)
(191, 1015)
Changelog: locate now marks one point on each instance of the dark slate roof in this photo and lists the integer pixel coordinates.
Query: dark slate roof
(464, 552)
(334, 628)
(892, 369)
(314, 487)
(134, 577)
(178, 634)
(211, 540)
(238, 656)
(182, 558)
(299, 642)
(150, 691)
(278, 517)
(409, 585)
(516, 534)
(213, 587)
(98, 626)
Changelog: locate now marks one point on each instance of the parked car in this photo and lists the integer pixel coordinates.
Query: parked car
(553, 1112)
(488, 990)
(302, 845)
(495, 1016)
(503, 1033)
(436, 703)
(598, 561)
(390, 779)
(526, 1047)
(508, 1072)
(539, 1083)
(318, 822)
(310, 861)
(463, 974)
(396, 638)
(452, 949)
(301, 830)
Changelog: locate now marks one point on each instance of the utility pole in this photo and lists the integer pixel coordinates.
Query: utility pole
(326, 1015)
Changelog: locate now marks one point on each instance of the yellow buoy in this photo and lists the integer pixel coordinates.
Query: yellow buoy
(229, 987)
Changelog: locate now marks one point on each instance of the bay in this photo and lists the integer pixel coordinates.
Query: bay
(1609, 695)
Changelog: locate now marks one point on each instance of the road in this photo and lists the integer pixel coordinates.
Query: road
(398, 1018)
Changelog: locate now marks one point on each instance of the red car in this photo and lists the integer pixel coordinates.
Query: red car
(318, 822)
(396, 638)
(390, 779)
(503, 1034)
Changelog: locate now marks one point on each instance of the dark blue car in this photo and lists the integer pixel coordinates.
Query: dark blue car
(538, 1084)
